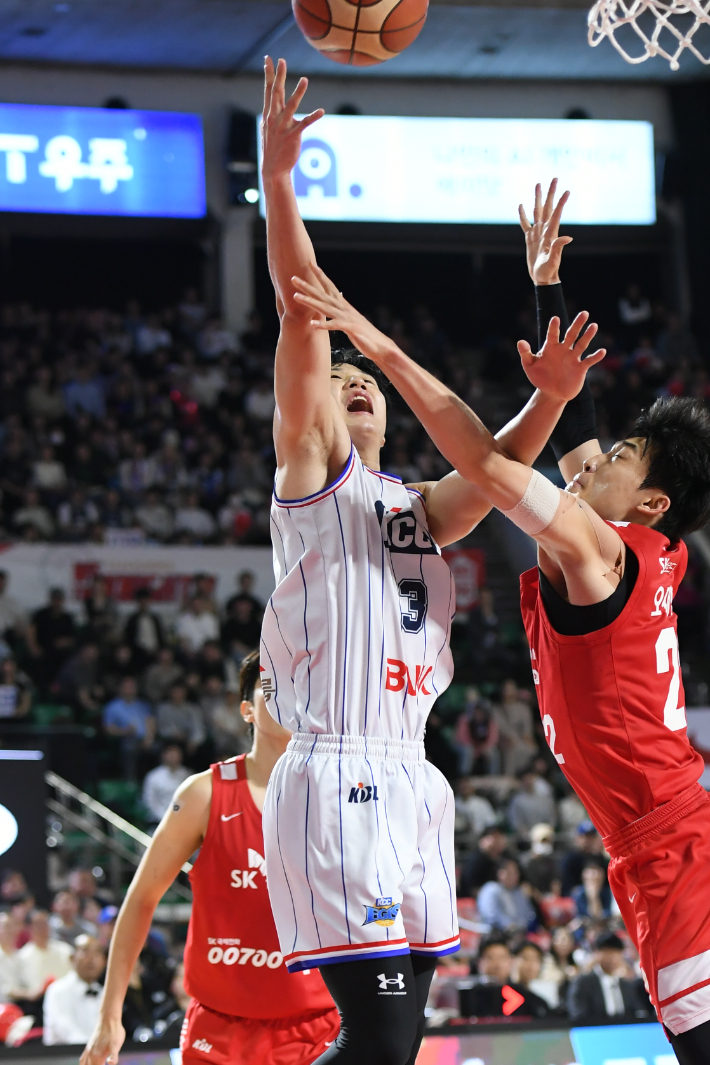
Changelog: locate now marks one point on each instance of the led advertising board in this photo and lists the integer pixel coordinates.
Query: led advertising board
(91, 160)
(357, 168)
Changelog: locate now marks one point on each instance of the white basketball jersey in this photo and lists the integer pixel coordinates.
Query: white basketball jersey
(355, 639)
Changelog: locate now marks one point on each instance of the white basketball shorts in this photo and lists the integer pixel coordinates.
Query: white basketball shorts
(359, 837)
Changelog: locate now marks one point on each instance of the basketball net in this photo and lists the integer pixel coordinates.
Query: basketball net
(607, 17)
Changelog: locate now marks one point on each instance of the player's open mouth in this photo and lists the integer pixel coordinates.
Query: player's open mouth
(360, 403)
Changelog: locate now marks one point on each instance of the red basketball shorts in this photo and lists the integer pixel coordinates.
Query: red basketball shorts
(208, 1036)
(660, 876)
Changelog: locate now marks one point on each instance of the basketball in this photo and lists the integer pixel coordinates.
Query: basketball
(360, 33)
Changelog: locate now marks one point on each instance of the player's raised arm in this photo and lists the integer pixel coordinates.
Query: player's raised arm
(178, 836)
(574, 439)
(312, 443)
(578, 543)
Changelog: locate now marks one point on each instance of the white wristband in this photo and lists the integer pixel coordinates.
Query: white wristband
(538, 507)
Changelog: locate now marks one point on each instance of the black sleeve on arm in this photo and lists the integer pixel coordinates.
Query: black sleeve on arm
(578, 421)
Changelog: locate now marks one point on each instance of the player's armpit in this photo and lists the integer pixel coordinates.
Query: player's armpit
(579, 550)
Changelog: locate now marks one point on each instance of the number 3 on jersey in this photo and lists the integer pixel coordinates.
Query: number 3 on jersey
(413, 602)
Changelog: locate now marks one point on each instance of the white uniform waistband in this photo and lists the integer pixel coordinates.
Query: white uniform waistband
(377, 747)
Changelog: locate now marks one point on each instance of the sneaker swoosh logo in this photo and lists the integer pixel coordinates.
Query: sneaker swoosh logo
(229, 818)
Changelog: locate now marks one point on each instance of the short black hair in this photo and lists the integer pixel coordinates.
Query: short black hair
(353, 357)
(493, 939)
(248, 676)
(608, 941)
(524, 943)
(677, 435)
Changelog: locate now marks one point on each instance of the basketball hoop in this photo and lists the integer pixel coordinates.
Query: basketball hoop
(680, 18)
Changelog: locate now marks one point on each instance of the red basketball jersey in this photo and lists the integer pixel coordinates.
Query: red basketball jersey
(232, 958)
(612, 702)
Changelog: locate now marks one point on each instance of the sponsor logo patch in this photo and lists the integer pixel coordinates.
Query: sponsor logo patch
(364, 793)
(401, 532)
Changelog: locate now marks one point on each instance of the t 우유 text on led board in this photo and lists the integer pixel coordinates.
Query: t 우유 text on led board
(85, 160)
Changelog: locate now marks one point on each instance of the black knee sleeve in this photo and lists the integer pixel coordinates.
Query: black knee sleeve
(379, 1006)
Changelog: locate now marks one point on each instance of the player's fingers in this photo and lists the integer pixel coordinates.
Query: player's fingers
(268, 81)
(325, 281)
(524, 223)
(525, 352)
(278, 91)
(576, 328)
(537, 209)
(549, 200)
(553, 224)
(553, 331)
(314, 116)
(332, 325)
(295, 98)
(594, 358)
(586, 338)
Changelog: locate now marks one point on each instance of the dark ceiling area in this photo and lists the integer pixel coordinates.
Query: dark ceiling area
(461, 39)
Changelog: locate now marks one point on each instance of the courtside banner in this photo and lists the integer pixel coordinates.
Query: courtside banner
(168, 572)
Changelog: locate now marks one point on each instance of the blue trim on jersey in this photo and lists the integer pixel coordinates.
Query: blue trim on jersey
(283, 547)
(416, 492)
(421, 859)
(308, 802)
(438, 952)
(389, 833)
(278, 842)
(377, 822)
(305, 612)
(315, 962)
(385, 476)
(346, 615)
(447, 637)
(315, 496)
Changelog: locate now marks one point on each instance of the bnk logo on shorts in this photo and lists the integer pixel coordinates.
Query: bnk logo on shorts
(382, 913)
(363, 793)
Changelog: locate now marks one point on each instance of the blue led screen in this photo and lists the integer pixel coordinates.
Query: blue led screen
(90, 160)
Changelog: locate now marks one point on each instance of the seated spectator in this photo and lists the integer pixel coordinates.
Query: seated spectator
(13, 619)
(15, 691)
(527, 970)
(571, 813)
(144, 631)
(9, 966)
(211, 662)
(245, 594)
(34, 515)
(494, 967)
(482, 864)
(13, 887)
(606, 993)
(226, 726)
(51, 638)
(120, 662)
(558, 964)
(556, 909)
(540, 864)
(48, 475)
(241, 631)
(82, 883)
(76, 516)
(155, 518)
(129, 718)
(193, 524)
(196, 625)
(138, 473)
(180, 720)
(515, 723)
(65, 922)
(85, 394)
(587, 842)
(72, 1003)
(161, 676)
(475, 812)
(43, 959)
(529, 806)
(42, 398)
(161, 783)
(101, 613)
(78, 683)
(502, 903)
(477, 737)
(593, 896)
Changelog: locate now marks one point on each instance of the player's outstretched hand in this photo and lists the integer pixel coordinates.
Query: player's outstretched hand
(559, 369)
(104, 1045)
(337, 315)
(280, 129)
(543, 244)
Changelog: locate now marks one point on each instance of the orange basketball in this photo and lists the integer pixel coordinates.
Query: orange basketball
(360, 32)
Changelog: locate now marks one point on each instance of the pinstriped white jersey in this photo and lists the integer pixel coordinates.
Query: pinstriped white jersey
(355, 639)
